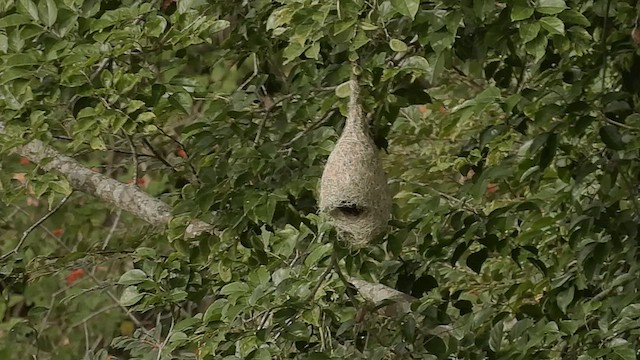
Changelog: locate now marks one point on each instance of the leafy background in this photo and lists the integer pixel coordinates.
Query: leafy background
(508, 130)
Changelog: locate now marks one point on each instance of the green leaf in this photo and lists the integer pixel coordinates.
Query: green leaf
(553, 25)
(398, 45)
(317, 254)
(565, 298)
(313, 52)
(130, 296)
(132, 277)
(184, 5)
(574, 17)
(48, 12)
(537, 47)
(146, 117)
(475, 260)
(214, 311)
(29, 7)
(407, 8)
(235, 288)
(495, 336)
(550, 7)
(261, 354)
(14, 20)
(519, 12)
(343, 90)
(548, 151)
(4, 43)
(528, 31)
(622, 352)
(611, 137)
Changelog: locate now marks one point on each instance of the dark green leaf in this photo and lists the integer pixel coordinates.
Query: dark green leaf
(475, 260)
(611, 137)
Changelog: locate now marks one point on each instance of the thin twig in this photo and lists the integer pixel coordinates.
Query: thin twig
(103, 64)
(164, 343)
(336, 266)
(311, 127)
(268, 111)
(113, 228)
(156, 153)
(616, 123)
(92, 315)
(253, 75)
(320, 282)
(134, 157)
(26, 233)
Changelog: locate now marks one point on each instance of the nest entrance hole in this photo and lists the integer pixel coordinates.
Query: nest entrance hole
(348, 209)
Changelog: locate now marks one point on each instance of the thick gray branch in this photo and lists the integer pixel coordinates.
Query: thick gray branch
(121, 195)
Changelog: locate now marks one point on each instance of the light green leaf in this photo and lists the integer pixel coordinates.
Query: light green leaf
(130, 296)
(28, 7)
(4, 43)
(184, 5)
(96, 143)
(235, 288)
(262, 354)
(415, 63)
(317, 254)
(553, 25)
(367, 26)
(146, 116)
(48, 12)
(528, 31)
(398, 45)
(219, 25)
(224, 272)
(407, 8)
(14, 20)
(134, 105)
(565, 298)
(279, 17)
(313, 52)
(537, 47)
(343, 90)
(132, 277)
(550, 7)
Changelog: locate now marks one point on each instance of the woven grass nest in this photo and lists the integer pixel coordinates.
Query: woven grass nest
(353, 189)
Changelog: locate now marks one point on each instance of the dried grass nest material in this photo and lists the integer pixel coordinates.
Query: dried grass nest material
(353, 189)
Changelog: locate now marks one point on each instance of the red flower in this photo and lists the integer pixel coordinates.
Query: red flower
(180, 152)
(75, 275)
(57, 231)
(24, 161)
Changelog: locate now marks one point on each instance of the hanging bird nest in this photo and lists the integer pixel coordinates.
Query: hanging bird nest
(353, 190)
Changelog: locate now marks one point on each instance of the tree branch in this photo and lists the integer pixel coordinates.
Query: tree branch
(158, 213)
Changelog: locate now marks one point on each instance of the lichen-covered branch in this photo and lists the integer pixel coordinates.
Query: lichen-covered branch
(105, 188)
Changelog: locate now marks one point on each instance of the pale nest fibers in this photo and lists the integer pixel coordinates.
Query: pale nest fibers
(353, 189)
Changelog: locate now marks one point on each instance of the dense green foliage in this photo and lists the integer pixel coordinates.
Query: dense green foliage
(509, 132)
